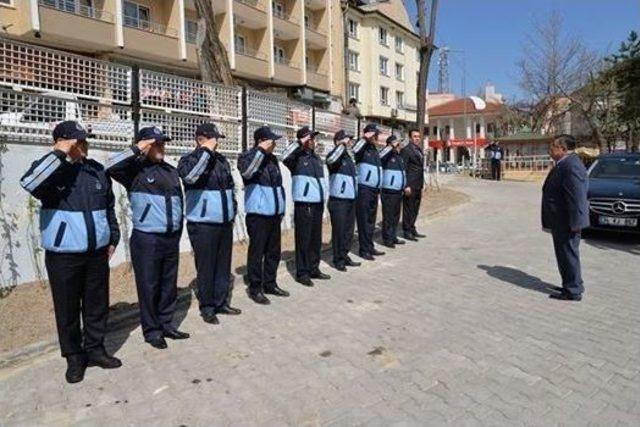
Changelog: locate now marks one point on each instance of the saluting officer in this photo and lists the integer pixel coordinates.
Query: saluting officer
(308, 192)
(394, 185)
(343, 189)
(79, 233)
(264, 204)
(369, 183)
(156, 204)
(414, 167)
(210, 211)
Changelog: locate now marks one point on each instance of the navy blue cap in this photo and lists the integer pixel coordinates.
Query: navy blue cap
(152, 132)
(340, 135)
(371, 127)
(391, 139)
(305, 131)
(70, 129)
(263, 133)
(209, 130)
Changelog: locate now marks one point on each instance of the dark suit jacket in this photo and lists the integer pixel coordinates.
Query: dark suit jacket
(564, 196)
(413, 163)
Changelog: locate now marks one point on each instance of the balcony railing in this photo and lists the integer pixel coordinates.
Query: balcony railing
(247, 51)
(284, 15)
(149, 26)
(74, 7)
(312, 68)
(285, 61)
(313, 27)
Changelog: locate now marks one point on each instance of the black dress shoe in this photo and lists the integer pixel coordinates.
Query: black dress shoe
(227, 309)
(376, 252)
(410, 237)
(352, 263)
(76, 366)
(399, 242)
(175, 334)
(305, 281)
(368, 257)
(566, 296)
(211, 319)
(419, 235)
(277, 291)
(388, 245)
(159, 342)
(259, 298)
(341, 268)
(102, 359)
(320, 276)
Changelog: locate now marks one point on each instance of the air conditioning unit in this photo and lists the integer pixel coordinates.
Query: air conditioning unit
(394, 112)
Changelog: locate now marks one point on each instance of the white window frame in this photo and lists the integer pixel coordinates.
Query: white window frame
(384, 70)
(278, 9)
(399, 46)
(7, 3)
(137, 17)
(353, 34)
(383, 36)
(355, 64)
(400, 99)
(384, 95)
(399, 76)
(280, 52)
(354, 91)
(186, 32)
(240, 40)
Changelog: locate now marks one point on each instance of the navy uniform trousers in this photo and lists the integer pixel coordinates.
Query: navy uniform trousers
(366, 211)
(79, 284)
(343, 222)
(391, 206)
(567, 250)
(212, 245)
(308, 235)
(263, 256)
(155, 260)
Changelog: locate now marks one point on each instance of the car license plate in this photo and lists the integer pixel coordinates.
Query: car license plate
(618, 222)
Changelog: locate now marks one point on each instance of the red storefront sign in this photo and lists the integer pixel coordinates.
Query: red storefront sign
(467, 142)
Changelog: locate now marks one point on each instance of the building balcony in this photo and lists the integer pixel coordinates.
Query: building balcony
(149, 26)
(287, 72)
(315, 36)
(317, 78)
(286, 26)
(77, 25)
(150, 40)
(251, 63)
(260, 5)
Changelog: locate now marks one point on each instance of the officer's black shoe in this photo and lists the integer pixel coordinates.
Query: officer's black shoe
(352, 263)
(376, 252)
(175, 334)
(102, 359)
(368, 257)
(419, 235)
(259, 298)
(277, 291)
(159, 342)
(227, 309)
(399, 242)
(408, 236)
(341, 268)
(305, 281)
(320, 276)
(566, 296)
(388, 245)
(76, 366)
(211, 319)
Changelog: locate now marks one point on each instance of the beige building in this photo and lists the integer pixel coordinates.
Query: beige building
(382, 62)
(296, 44)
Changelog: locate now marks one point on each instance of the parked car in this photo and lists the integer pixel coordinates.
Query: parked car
(614, 192)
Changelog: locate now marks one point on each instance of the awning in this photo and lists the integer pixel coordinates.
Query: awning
(466, 142)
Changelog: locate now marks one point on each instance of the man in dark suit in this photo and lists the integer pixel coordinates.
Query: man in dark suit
(414, 166)
(565, 212)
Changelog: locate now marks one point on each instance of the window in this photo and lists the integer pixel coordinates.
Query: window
(477, 127)
(383, 36)
(384, 95)
(240, 44)
(384, 66)
(353, 29)
(190, 31)
(354, 91)
(399, 72)
(278, 9)
(6, 2)
(353, 60)
(136, 15)
(279, 55)
(400, 99)
(399, 44)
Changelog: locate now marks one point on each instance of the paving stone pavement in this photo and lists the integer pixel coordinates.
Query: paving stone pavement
(454, 329)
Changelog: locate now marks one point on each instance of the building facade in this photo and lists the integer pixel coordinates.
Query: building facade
(382, 62)
(295, 44)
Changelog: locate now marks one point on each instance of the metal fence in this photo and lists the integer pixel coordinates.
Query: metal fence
(328, 123)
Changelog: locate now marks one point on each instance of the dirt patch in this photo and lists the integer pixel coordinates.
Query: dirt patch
(26, 314)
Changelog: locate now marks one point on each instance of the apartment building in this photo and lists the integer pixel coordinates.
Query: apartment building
(295, 44)
(382, 62)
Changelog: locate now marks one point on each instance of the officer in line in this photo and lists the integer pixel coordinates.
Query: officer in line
(210, 211)
(308, 192)
(369, 183)
(496, 154)
(79, 233)
(156, 204)
(343, 189)
(394, 185)
(414, 168)
(264, 204)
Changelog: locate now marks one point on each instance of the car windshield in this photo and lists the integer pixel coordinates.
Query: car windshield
(616, 168)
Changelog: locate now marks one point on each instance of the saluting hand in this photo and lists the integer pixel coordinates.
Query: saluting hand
(65, 145)
(210, 144)
(266, 145)
(145, 145)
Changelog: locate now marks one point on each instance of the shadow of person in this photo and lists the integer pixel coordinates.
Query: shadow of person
(520, 278)
(185, 297)
(599, 239)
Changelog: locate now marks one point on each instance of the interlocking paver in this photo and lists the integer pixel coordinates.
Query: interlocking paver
(454, 329)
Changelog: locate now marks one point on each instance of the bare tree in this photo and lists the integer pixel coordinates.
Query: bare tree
(427, 38)
(214, 62)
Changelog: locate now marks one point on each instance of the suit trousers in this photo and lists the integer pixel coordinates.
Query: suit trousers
(80, 289)
(567, 250)
(410, 210)
(343, 222)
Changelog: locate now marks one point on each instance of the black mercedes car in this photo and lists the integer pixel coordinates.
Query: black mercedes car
(614, 192)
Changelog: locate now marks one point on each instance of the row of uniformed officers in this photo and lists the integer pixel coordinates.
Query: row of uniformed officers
(80, 232)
